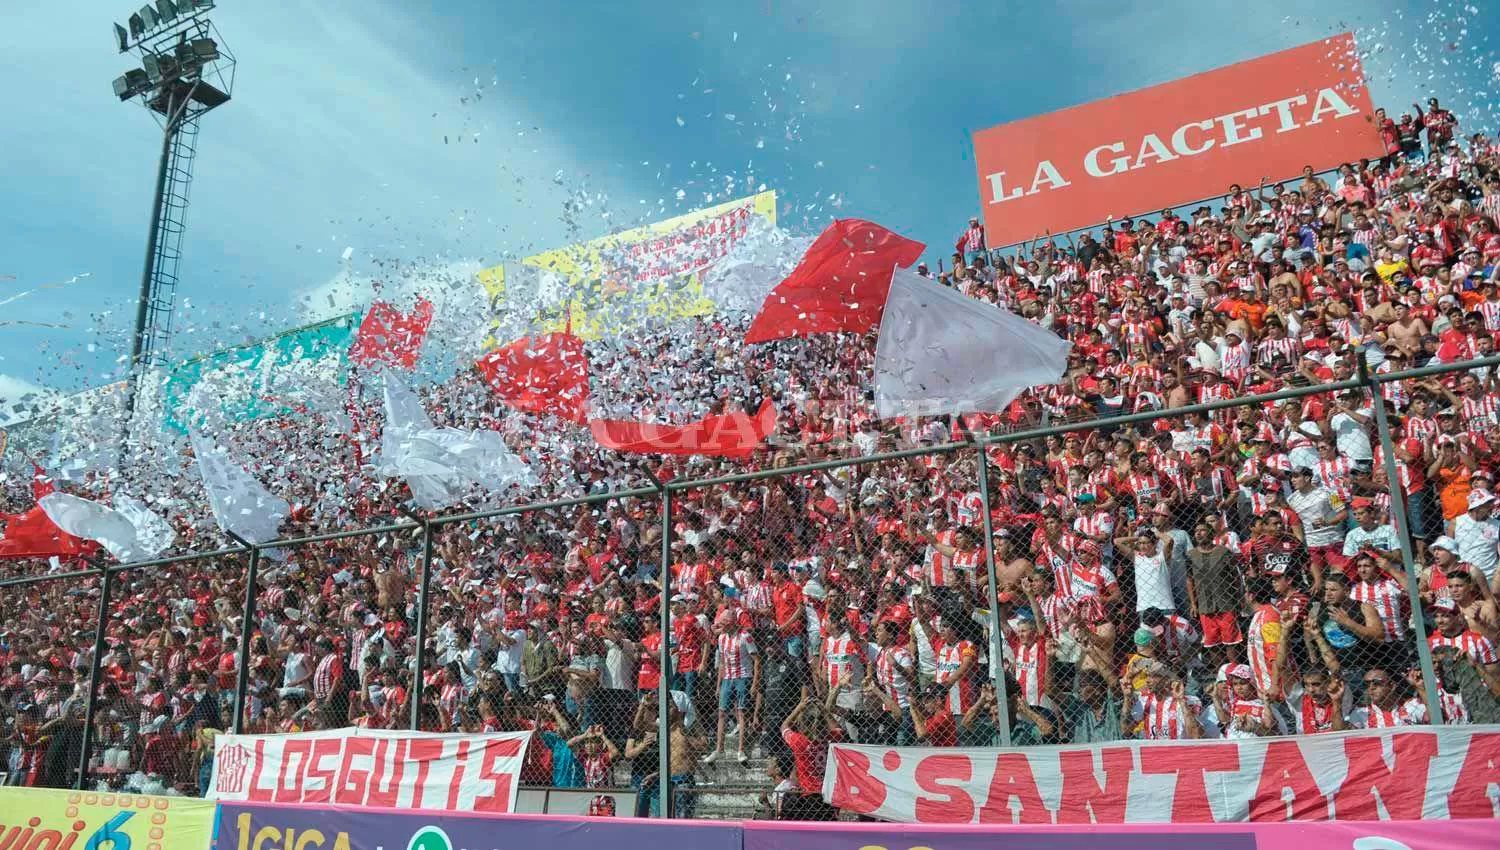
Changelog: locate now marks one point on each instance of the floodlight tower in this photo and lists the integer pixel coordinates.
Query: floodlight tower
(184, 71)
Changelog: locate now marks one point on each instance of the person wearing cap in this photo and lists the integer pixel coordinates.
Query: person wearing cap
(932, 722)
(1240, 709)
(1477, 532)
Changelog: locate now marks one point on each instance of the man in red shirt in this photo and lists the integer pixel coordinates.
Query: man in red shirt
(932, 720)
(786, 606)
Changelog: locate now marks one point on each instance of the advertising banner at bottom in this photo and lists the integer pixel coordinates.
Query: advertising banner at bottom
(43, 819)
(296, 827)
(1386, 835)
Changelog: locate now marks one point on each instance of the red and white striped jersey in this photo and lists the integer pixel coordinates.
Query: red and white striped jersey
(735, 651)
(1057, 611)
(886, 675)
(1099, 525)
(1471, 643)
(843, 661)
(1146, 487)
(691, 577)
(1478, 414)
(970, 568)
(1028, 663)
(1313, 716)
(1410, 713)
(1162, 717)
(1420, 428)
(937, 567)
(1337, 476)
(1491, 312)
(966, 509)
(1455, 713)
(1287, 348)
(1389, 600)
(960, 691)
(1082, 581)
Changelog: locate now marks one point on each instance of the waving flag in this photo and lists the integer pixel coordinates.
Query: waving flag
(241, 505)
(33, 534)
(115, 530)
(734, 435)
(439, 465)
(388, 335)
(939, 352)
(541, 374)
(840, 285)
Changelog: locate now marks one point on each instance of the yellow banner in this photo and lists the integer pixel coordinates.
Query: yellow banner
(43, 819)
(650, 272)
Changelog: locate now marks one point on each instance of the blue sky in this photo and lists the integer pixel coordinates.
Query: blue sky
(562, 122)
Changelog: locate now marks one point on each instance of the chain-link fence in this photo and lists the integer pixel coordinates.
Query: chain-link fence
(1294, 562)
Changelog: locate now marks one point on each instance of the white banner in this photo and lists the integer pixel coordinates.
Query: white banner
(372, 767)
(1381, 774)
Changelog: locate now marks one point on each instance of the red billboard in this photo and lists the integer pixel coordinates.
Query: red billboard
(1176, 143)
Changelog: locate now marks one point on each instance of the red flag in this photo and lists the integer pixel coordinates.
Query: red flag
(387, 335)
(34, 534)
(840, 285)
(733, 435)
(41, 485)
(541, 374)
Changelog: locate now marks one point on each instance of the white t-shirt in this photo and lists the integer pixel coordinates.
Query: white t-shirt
(1477, 541)
(1153, 582)
(1382, 537)
(1314, 506)
(1350, 436)
(508, 658)
(297, 666)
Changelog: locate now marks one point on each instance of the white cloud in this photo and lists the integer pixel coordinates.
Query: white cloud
(18, 396)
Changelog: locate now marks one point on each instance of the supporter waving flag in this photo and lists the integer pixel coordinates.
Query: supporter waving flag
(840, 285)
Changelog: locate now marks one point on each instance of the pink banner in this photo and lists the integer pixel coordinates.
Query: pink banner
(1415, 773)
(1389, 835)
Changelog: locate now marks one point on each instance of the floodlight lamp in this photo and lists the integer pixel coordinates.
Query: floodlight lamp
(137, 26)
(185, 56)
(206, 49)
(122, 88)
(148, 15)
(152, 65)
(122, 38)
(166, 10)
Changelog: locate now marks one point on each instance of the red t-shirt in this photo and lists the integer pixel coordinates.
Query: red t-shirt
(940, 730)
(810, 760)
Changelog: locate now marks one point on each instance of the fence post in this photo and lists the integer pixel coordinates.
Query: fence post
(106, 583)
(1403, 534)
(242, 659)
(997, 658)
(664, 662)
(424, 589)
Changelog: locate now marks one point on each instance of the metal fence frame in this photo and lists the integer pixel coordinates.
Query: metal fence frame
(664, 490)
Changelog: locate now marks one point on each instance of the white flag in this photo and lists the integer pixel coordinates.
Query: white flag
(240, 504)
(939, 352)
(92, 521)
(441, 464)
(153, 532)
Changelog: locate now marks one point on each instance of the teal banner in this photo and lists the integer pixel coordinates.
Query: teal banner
(260, 379)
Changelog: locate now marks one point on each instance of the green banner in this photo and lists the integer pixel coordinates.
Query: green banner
(263, 378)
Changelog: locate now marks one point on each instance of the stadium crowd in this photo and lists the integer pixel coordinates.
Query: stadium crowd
(1199, 576)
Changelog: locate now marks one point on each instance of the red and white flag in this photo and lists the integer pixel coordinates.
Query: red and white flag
(840, 285)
